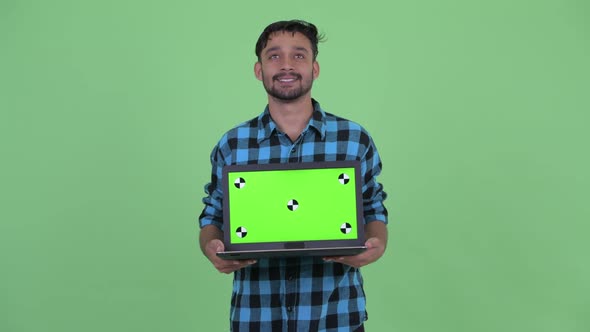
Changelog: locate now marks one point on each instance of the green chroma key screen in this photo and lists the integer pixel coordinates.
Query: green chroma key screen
(292, 205)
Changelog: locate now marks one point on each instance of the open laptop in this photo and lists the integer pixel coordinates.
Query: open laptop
(292, 209)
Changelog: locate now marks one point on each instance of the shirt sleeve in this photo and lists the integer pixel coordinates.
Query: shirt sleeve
(373, 194)
(212, 213)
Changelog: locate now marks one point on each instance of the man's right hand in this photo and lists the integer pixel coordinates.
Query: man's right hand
(223, 265)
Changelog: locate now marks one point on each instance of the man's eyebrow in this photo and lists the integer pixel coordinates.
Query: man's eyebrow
(301, 48)
(276, 48)
(272, 49)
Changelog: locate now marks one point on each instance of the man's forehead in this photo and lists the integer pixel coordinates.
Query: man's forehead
(299, 39)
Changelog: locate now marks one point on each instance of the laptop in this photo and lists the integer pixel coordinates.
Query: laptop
(292, 209)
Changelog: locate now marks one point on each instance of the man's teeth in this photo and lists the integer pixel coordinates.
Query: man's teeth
(287, 79)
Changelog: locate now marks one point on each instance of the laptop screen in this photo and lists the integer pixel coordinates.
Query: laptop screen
(292, 202)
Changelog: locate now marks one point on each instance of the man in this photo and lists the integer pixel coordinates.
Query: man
(306, 293)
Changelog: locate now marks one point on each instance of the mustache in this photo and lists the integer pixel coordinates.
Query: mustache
(279, 76)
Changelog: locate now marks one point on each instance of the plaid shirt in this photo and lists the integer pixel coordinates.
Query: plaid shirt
(297, 294)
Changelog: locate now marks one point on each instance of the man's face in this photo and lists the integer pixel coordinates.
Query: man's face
(286, 67)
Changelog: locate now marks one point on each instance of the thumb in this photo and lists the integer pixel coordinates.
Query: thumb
(216, 245)
(371, 243)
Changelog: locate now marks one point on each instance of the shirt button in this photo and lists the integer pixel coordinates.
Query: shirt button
(290, 278)
(289, 309)
(293, 150)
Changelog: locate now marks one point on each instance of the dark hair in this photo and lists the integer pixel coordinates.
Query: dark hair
(307, 29)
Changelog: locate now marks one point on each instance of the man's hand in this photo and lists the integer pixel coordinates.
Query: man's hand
(211, 244)
(222, 265)
(376, 243)
(375, 250)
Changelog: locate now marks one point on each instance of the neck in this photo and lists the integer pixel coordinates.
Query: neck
(291, 117)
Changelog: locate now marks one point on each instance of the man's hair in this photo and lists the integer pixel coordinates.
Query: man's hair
(307, 29)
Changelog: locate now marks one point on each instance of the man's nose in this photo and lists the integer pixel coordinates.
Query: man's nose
(287, 64)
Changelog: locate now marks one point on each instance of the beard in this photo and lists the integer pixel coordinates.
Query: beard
(287, 94)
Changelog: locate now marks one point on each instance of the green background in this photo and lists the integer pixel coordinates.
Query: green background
(109, 110)
(324, 205)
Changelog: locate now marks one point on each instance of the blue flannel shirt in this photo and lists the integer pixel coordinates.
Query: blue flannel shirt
(302, 293)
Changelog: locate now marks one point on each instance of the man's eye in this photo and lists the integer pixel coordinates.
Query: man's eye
(299, 56)
(273, 56)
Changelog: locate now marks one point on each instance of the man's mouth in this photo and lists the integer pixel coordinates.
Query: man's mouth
(287, 78)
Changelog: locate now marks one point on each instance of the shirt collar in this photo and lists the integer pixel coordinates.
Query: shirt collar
(267, 126)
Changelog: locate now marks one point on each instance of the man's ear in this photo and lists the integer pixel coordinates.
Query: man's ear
(316, 70)
(258, 70)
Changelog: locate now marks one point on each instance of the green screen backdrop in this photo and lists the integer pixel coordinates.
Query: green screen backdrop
(479, 109)
(293, 205)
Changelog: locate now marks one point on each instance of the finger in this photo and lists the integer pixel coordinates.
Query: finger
(227, 267)
(238, 263)
(371, 243)
(234, 265)
(351, 261)
(217, 245)
(212, 249)
(333, 258)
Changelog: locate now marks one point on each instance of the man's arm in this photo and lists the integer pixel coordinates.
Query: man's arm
(210, 240)
(373, 209)
(210, 220)
(376, 235)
